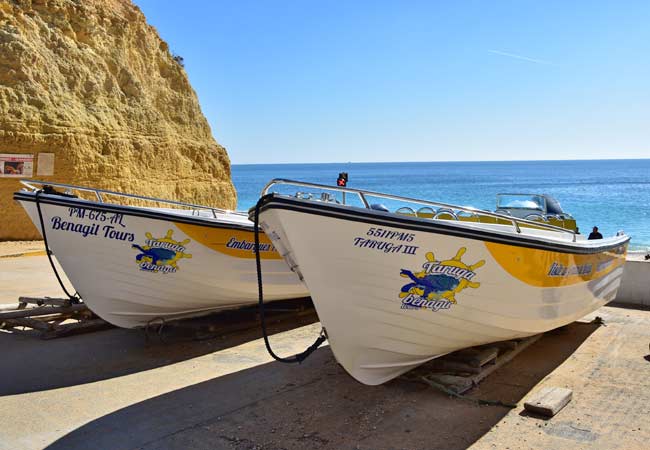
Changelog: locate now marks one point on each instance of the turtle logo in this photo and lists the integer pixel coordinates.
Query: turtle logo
(436, 285)
(160, 255)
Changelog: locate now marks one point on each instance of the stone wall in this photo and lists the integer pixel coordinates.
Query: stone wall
(92, 83)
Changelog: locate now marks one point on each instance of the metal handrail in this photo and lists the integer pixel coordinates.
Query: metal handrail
(447, 211)
(98, 194)
(363, 193)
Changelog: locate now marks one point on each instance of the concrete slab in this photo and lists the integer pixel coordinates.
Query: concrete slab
(50, 388)
(113, 389)
(29, 276)
(15, 248)
(611, 394)
(116, 389)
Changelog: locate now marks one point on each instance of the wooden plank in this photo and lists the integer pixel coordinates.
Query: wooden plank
(26, 322)
(453, 383)
(68, 329)
(549, 401)
(483, 357)
(506, 345)
(45, 301)
(41, 311)
(10, 307)
(503, 359)
(474, 356)
(444, 365)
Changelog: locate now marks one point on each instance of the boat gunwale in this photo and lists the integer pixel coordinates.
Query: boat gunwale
(29, 183)
(516, 221)
(374, 217)
(137, 211)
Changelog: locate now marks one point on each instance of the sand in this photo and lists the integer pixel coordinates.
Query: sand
(19, 248)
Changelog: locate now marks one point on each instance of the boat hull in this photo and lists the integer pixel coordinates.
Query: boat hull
(395, 293)
(134, 265)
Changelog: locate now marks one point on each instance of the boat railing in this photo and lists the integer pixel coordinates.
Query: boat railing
(441, 209)
(100, 195)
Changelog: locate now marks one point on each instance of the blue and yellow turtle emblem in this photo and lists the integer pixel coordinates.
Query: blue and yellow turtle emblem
(436, 285)
(161, 254)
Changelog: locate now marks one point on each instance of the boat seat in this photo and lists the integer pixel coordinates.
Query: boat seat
(536, 217)
(405, 211)
(468, 216)
(426, 212)
(379, 207)
(445, 213)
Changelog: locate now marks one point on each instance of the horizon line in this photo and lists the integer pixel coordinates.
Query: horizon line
(445, 161)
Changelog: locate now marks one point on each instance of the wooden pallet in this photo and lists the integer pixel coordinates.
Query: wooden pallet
(50, 317)
(58, 317)
(460, 371)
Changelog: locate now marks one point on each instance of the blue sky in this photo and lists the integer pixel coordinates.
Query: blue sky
(307, 81)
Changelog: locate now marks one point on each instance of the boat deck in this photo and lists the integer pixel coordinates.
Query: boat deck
(115, 389)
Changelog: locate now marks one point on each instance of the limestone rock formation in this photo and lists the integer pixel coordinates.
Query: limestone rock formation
(91, 82)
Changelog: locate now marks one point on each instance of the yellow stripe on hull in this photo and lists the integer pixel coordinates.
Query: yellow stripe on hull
(543, 268)
(237, 243)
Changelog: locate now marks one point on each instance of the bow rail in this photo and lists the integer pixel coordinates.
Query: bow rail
(442, 208)
(100, 194)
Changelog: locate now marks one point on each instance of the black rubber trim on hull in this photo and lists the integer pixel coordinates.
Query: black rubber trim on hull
(355, 214)
(129, 210)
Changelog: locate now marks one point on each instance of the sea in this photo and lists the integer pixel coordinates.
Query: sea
(611, 194)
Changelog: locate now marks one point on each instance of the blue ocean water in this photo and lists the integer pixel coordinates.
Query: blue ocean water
(612, 194)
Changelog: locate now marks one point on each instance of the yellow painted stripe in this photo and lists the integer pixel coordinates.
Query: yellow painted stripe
(544, 268)
(237, 243)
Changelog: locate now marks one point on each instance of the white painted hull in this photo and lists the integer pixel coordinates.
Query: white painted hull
(212, 266)
(381, 324)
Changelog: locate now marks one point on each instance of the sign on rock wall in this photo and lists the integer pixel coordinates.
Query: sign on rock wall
(45, 166)
(16, 165)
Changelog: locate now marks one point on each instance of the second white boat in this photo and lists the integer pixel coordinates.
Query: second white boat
(395, 290)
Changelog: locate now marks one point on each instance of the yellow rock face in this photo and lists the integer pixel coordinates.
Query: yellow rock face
(91, 82)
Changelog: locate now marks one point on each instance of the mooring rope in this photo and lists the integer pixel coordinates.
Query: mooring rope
(76, 298)
(300, 357)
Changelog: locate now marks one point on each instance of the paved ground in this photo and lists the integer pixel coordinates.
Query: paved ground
(116, 389)
(610, 378)
(15, 248)
(113, 389)
(28, 276)
(638, 255)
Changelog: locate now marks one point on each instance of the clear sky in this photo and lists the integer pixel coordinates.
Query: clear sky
(323, 81)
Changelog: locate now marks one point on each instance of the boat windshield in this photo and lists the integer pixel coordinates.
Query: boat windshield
(520, 201)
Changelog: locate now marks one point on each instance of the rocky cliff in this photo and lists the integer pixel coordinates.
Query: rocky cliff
(92, 83)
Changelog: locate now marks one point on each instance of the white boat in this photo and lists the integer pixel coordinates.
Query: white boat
(394, 290)
(133, 264)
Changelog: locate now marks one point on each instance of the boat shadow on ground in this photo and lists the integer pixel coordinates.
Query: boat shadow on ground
(31, 364)
(317, 405)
